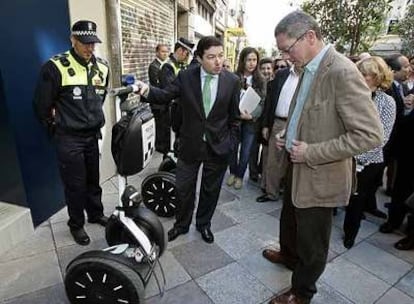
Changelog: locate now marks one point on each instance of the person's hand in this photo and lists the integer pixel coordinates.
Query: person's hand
(280, 139)
(297, 153)
(143, 88)
(265, 133)
(245, 115)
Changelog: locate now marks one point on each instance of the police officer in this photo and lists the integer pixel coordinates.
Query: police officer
(68, 100)
(176, 62)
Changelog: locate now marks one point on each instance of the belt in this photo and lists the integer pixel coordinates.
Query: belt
(281, 118)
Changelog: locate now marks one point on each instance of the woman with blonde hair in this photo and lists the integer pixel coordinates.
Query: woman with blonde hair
(370, 165)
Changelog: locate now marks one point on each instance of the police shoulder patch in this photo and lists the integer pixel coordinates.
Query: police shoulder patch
(60, 56)
(103, 61)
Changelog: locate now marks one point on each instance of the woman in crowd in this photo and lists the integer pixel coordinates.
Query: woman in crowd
(370, 165)
(250, 76)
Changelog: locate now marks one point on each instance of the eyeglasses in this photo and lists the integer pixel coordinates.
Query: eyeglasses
(287, 50)
(280, 66)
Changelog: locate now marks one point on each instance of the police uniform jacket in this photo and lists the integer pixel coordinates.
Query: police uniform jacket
(71, 92)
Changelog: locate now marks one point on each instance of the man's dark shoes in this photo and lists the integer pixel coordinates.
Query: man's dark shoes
(80, 236)
(289, 298)
(406, 243)
(174, 232)
(387, 227)
(266, 198)
(349, 242)
(276, 257)
(102, 220)
(206, 234)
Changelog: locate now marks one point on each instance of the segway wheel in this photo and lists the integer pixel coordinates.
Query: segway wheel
(159, 195)
(96, 280)
(116, 233)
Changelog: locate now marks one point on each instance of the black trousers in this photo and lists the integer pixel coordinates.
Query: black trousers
(307, 232)
(78, 159)
(403, 187)
(162, 129)
(186, 181)
(364, 199)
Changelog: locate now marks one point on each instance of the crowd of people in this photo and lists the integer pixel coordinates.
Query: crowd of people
(326, 131)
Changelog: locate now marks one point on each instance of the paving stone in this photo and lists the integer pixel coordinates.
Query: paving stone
(42, 296)
(243, 211)
(60, 216)
(108, 187)
(241, 287)
(276, 213)
(225, 197)
(265, 226)
(199, 258)
(386, 242)
(238, 242)
(29, 274)
(407, 284)
(220, 221)
(274, 276)
(183, 294)
(40, 241)
(67, 253)
(110, 202)
(327, 295)
(377, 261)
(395, 296)
(336, 241)
(175, 275)
(353, 282)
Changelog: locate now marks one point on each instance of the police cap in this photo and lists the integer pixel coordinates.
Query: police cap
(185, 43)
(85, 31)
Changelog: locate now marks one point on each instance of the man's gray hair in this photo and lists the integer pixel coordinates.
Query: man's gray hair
(296, 24)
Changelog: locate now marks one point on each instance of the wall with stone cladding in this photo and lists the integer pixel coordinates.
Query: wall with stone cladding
(144, 24)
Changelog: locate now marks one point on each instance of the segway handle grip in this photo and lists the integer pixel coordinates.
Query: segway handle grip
(124, 90)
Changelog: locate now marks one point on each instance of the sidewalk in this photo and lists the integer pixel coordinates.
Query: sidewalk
(229, 271)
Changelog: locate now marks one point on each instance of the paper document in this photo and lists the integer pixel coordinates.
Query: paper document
(249, 100)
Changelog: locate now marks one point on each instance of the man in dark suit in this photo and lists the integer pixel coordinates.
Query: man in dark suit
(209, 98)
(160, 111)
(161, 55)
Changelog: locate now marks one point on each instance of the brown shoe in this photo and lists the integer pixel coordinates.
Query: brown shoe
(277, 257)
(289, 298)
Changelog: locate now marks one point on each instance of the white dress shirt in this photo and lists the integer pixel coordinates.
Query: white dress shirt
(286, 94)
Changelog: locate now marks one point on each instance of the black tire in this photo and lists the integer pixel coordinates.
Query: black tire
(116, 233)
(97, 280)
(159, 195)
(167, 165)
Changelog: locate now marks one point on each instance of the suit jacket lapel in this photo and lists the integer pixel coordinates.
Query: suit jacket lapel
(197, 89)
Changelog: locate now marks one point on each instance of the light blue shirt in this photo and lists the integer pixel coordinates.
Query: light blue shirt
(307, 80)
(213, 85)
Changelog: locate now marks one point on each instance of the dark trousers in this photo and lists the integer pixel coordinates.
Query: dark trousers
(403, 187)
(363, 199)
(307, 232)
(78, 159)
(186, 181)
(255, 160)
(162, 130)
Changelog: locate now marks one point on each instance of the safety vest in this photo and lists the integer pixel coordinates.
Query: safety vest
(81, 93)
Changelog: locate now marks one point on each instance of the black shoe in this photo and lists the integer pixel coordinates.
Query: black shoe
(386, 228)
(174, 232)
(103, 220)
(266, 198)
(348, 242)
(377, 213)
(406, 243)
(206, 234)
(80, 236)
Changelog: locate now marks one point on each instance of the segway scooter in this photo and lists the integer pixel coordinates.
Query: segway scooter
(119, 274)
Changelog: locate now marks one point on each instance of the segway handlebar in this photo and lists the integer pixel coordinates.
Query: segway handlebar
(124, 90)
